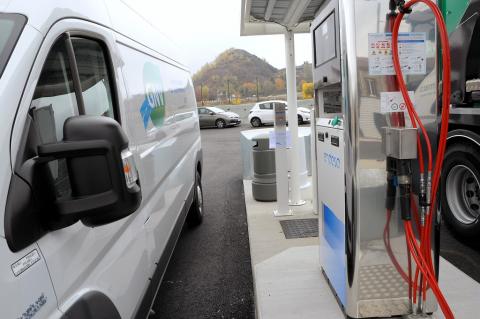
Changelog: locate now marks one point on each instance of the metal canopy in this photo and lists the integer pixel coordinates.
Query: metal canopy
(261, 17)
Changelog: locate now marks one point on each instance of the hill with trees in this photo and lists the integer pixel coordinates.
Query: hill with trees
(240, 74)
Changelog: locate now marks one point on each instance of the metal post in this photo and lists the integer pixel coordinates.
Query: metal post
(228, 91)
(295, 195)
(201, 93)
(281, 162)
(257, 89)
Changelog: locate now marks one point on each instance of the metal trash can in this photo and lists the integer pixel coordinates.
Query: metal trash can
(264, 178)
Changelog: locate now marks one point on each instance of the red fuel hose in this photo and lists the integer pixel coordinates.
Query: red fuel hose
(422, 253)
(430, 277)
(386, 240)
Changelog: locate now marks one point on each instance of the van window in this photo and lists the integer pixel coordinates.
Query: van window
(94, 77)
(11, 26)
(53, 102)
(54, 98)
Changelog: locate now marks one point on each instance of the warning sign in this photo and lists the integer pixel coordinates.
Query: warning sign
(394, 102)
(412, 47)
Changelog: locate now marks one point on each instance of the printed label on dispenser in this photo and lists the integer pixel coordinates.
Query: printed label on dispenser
(412, 47)
(394, 102)
(280, 139)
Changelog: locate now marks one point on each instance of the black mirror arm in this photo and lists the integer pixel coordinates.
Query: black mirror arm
(75, 207)
(50, 152)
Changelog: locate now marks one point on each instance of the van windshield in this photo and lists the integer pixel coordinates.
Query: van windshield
(11, 26)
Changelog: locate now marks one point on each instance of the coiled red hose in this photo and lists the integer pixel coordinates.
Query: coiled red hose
(422, 253)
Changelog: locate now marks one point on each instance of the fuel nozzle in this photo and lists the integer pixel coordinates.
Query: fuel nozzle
(400, 4)
(400, 147)
(391, 183)
(404, 171)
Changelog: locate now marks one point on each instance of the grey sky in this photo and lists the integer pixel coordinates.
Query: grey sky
(204, 29)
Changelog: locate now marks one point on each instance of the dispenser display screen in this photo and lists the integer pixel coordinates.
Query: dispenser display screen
(324, 40)
(332, 102)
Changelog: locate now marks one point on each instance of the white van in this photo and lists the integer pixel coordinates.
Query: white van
(100, 160)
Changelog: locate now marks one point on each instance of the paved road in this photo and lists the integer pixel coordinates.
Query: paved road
(464, 255)
(210, 273)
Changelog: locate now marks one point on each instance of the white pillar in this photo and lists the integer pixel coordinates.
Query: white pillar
(281, 162)
(295, 195)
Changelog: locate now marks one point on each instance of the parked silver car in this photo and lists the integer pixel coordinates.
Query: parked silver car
(216, 117)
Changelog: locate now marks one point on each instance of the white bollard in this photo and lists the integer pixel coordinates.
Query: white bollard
(295, 195)
(281, 164)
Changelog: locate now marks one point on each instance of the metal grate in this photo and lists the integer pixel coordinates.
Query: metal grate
(383, 292)
(381, 282)
(300, 228)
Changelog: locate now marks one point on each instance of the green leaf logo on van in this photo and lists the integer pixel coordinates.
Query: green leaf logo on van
(153, 107)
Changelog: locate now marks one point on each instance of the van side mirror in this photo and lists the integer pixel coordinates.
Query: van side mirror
(211, 113)
(96, 151)
(103, 181)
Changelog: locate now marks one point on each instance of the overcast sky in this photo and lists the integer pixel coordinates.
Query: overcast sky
(204, 29)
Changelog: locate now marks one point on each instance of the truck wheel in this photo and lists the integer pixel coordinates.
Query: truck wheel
(220, 123)
(461, 190)
(256, 122)
(300, 119)
(195, 215)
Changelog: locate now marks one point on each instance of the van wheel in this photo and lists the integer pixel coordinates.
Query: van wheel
(195, 215)
(256, 122)
(220, 123)
(461, 190)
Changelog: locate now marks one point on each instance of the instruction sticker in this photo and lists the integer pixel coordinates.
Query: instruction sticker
(394, 102)
(282, 139)
(26, 262)
(412, 48)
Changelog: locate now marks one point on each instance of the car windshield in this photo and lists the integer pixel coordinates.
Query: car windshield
(216, 110)
(11, 26)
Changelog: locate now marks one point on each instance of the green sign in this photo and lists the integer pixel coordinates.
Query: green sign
(153, 107)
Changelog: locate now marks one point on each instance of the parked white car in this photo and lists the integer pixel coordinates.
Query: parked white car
(101, 162)
(263, 113)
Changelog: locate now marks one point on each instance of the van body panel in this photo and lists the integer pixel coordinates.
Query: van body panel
(12, 84)
(144, 33)
(144, 307)
(166, 163)
(80, 257)
(117, 259)
(43, 14)
(25, 286)
(115, 14)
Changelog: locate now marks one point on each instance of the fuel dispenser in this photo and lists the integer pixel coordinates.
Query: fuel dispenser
(380, 137)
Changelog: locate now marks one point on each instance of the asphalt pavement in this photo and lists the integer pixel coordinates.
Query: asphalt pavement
(463, 254)
(210, 274)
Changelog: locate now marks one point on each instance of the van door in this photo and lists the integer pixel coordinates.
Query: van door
(25, 287)
(73, 75)
(155, 95)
